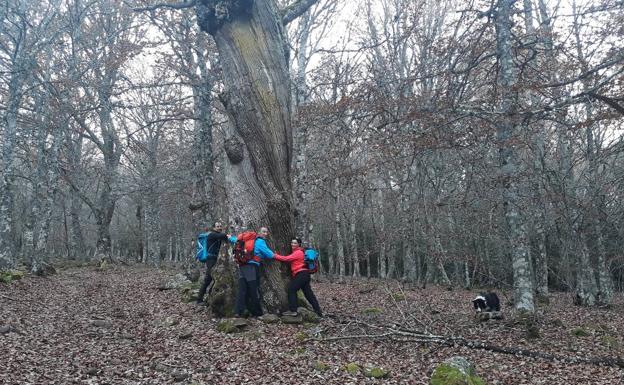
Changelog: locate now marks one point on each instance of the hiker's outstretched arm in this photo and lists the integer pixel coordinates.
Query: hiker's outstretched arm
(288, 258)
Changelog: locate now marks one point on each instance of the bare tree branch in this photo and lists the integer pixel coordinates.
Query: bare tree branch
(611, 102)
(617, 59)
(407, 335)
(182, 5)
(295, 10)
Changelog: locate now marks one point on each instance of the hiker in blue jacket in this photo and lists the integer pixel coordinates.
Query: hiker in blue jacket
(248, 295)
(214, 239)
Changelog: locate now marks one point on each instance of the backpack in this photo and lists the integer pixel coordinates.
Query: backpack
(201, 252)
(311, 260)
(244, 247)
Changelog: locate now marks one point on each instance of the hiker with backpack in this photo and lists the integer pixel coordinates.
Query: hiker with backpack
(249, 250)
(208, 246)
(301, 266)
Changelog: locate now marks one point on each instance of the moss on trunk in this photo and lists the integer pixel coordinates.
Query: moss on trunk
(222, 298)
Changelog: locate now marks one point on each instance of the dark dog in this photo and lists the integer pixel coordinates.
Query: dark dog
(486, 302)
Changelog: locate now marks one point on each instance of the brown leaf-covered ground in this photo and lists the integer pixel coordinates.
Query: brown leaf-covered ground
(84, 326)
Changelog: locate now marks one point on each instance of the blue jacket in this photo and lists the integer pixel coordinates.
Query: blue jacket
(262, 250)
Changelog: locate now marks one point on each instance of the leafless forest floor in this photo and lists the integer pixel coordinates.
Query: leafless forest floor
(84, 326)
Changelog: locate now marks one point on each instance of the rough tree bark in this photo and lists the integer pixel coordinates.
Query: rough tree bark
(254, 58)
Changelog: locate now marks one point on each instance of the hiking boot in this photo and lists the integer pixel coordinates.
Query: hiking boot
(290, 313)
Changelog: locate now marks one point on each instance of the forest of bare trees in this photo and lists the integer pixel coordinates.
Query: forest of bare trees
(464, 143)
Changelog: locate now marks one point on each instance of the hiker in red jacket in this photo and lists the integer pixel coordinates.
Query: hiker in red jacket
(301, 279)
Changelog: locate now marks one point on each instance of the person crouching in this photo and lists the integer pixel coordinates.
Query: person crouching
(300, 279)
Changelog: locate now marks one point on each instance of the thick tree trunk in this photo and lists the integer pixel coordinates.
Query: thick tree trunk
(253, 56)
(523, 285)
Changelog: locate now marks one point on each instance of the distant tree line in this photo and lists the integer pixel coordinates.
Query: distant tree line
(437, 142)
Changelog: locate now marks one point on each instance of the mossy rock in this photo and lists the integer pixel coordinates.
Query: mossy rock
(231, 326)
(11, 275)
(449, 375)
(321, 366)
(5, 277)
(352, 368)
(190, 295)
(376, 372)
(104, 265)
(17, 275)
(221, 299)
(580, 332)
(398, 297)
(308, 315)
(170, 321)
(610, 342)
(455, 371)
(372, 310)
(301, 336)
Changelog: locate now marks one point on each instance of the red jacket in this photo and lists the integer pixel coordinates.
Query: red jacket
(295, 259)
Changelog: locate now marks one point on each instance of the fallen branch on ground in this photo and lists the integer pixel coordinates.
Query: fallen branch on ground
(406, 335)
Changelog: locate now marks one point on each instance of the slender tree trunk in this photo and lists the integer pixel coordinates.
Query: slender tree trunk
(523, 286)
(354, 249)
(111, 151)
(340, 254)
(300, 185)
(7, 244)
(541, 262)
(47, 197)
(392, 255)
(604, 285)
(381, 220)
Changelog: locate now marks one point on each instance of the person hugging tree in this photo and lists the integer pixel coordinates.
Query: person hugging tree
(300, 278)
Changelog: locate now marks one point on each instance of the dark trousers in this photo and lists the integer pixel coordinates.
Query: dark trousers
(207, 279)
(302, 281)
(248, 295)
